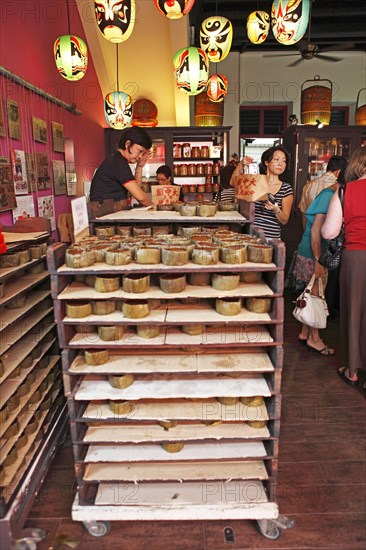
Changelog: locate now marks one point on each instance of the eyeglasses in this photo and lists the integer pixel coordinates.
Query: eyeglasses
(161, 179)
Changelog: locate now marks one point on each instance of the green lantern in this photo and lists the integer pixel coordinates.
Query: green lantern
(191, 70)
(71, 56)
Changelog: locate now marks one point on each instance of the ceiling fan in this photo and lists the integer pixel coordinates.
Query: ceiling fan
(308, 50)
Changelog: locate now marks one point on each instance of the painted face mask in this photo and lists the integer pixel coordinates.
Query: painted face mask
(289, 20)
(174, 9)
(217, 87)
(115, 18)
(191, 70)
(71, 56)
(118, 109)
(258, 24)
(216, 35)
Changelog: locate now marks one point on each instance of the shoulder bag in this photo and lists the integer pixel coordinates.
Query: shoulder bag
(331, 256)
(311, 310)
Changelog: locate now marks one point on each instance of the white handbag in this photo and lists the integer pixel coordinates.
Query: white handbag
(311, 310)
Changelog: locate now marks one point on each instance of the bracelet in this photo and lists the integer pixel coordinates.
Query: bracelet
(316, 259)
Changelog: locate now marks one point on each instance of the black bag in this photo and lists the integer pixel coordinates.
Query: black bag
(331, 256)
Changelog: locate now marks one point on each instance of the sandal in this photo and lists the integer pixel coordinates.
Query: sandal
(302, 341)
(323, 351)
(342, 374)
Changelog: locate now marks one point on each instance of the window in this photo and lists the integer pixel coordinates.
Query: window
(262, 121)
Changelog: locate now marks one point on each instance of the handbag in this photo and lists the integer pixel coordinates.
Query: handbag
(331, 255)
(251, 187)
(311, 310)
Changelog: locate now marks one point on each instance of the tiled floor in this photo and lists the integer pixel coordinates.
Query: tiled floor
(321, 481)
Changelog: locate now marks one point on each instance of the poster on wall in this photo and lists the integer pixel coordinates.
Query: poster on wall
(39, 127)
(13, 119)
(71, 183)
(70, 166)
(7, 193)
(19, 172)
(59, 177)
(2, 122)
(24, 209)
(46, 209)
(31, 168)
(43, 174)
(58, 137)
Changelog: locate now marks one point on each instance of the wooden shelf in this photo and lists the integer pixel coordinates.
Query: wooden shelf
(7, 272)
(9, 316)
(12, 334)
(21, 285)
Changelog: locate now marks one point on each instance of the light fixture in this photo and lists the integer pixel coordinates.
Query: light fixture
(115, 20)
(289, 20)
(118, 107)
(217, 87)
(258, 24)
(319, 124)
(191, 70)
(174, 9)
(293, 119)
(216, 35)
(71, 54)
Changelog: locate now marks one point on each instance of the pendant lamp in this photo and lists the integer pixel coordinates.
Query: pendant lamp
(71, 54)
(115, 20)
(216, 35)
(258, 24)
(191, 70)
(290, 19)
(217, 87)
(118, 107)
(174, 9)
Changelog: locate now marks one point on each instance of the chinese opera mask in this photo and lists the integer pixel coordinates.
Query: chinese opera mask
(258, 24)
(115, 18)
(216, 35)
(289, 19)
(217, 87)
(191, 70)
(174, 9)
(71, 56)
(118, 109)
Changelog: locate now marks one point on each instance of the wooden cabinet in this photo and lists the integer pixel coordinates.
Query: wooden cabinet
(31, 396)
(193, 389)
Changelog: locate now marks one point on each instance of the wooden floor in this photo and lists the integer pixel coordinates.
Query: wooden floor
(321, 482)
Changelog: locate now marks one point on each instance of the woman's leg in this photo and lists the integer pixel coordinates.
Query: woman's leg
(315, 341)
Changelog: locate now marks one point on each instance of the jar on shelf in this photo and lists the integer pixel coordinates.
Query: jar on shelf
(201, 188)
(191, 169)
(176, 169)
(186, 150)
(208, 187)
(183, 170)
(192, 188)
(196, 152)
(200, 169)
(185, 188)
(216, 168)
(208, 169)
(215, 187)
(177, 151)
(205, 151)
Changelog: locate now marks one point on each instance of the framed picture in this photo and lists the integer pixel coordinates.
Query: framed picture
(19, 172)
(13, 119)
(59, 177)
(43, 175)
(24, 208)
(7, 193)
(46, 209)
(58, 137)
(39, 127)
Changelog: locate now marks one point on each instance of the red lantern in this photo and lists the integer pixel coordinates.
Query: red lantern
(217, 87)
(174, 9)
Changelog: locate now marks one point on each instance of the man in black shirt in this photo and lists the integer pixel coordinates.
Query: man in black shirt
(114, 178)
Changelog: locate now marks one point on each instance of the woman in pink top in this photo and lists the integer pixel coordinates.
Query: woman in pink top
(353, 265)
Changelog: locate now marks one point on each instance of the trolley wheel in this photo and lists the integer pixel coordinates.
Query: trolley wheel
(269, 530)
(97, 528)
(25, 544)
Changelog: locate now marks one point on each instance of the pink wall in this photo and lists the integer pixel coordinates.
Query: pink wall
(28, 32)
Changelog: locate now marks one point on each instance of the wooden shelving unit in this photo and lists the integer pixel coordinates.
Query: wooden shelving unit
(177, 380)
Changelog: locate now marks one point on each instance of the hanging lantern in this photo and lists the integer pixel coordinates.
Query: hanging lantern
(191, 70)
(217, 87)
(71, 56)
(115, 19)
(258, 24)
(316, 101)
(118, 110)
(290, 19)
(174, 9)
(216, 35)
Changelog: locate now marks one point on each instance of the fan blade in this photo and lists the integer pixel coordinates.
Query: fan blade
(280, 54)
(338, 47)
(328, 58)
(297, 62)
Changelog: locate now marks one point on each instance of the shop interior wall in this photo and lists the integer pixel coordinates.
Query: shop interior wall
(28, 32)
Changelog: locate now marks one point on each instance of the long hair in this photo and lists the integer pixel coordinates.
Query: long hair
(225, 175)
(356, 168)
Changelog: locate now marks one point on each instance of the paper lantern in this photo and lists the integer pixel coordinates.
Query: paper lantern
(174, 9)
(118, 110)
(71, 56)
(144, 113)
(258, 24)
(191, 70)
(217, 87)
(216, 35)
(115, 19)
(290, 19)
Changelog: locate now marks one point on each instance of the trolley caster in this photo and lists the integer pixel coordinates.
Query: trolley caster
(268, 529)
(97, 528)
(30, 538)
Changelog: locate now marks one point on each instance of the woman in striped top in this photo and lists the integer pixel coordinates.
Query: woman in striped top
(226, 193)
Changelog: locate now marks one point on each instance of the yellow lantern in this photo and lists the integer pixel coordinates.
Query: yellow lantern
(71, 56)
(217, 87)
(174, 9)
(216, 35)
(258, 24)
(191, 70)
(115, 19)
